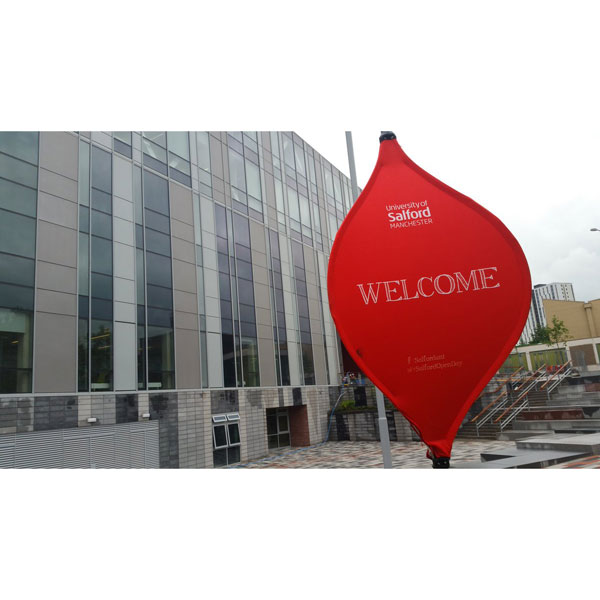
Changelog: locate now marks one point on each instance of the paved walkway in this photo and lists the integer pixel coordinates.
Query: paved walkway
(367, 455)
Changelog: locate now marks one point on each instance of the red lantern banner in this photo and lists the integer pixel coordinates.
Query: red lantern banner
(429, 292)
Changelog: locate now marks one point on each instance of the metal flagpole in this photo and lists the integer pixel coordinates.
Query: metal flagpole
(381, 420)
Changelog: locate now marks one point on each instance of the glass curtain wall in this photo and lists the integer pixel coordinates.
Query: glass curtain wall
(101, 272)
(95, 270)
(236, 289)
(18, 211)
(159, 282)
(279, 325)
(303, 315)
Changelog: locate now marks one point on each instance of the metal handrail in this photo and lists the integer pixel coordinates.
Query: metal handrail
(555, 374)
(534, 375)
(556, 383)
(494, 402)
(523, 393)
(488, 406)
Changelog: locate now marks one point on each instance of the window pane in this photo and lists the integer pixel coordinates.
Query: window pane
(83, 266)
(237, 176)
(160, 297)
(160, 358)
(101, 309)
(253, 179)
(84, 219)
(178, 142)
(16, 296)
(219, 437)
(234, 433)
(14, 269)
(17, 170)
(124, 136)
(17, 198)
(283, 423)
(233, 455)
(203, 150)
(220, 457)
(101, 224)
(299, 154)
(102, 286)
(158, 269)
(84, 173)
(101, 201)
(20, 144)
(101, 170)
(101, 255)
(158, 242)
(156, 193)
(101, 355)
(83, 358)
(15, 351)
(158, 137)
(17, 234)
(157, 221)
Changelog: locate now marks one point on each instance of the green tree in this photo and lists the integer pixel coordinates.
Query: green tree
(541, 335)
(558, 333)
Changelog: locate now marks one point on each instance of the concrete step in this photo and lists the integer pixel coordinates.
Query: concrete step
(586, 444)
(518, 434)
(521, 459)
(586, 425)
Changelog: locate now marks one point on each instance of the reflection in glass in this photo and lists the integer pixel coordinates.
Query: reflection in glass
(161, 364)
(20, 144)
(17, 234)
(15, 351)
(18, 198)
(82, 355)
(101, 355)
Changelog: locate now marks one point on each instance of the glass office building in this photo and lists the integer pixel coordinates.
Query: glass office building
(163, 297)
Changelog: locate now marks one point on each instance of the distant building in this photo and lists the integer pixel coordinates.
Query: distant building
(537, 316)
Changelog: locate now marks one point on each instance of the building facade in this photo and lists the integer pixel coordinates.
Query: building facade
(537, 316)
(164, 291)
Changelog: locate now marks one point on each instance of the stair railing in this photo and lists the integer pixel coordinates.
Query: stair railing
(515, 408)
(562, 372)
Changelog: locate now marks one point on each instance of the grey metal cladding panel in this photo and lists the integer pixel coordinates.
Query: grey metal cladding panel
(309, 259)
(257, 237)
(56, 210)
(183, 231)
(266, 362)
(216, 160)
(270, 190)
(187, 321)
(262, 297)
(183, 250)
(58, 185)
(59, 152)
(187, 353)
(319, 362)
(58, 303)
(184, 276)
(55, 353)
(57, 244)
(122, 178)
(181, 203)
(56, 277)
(185, 301)
(125, 356)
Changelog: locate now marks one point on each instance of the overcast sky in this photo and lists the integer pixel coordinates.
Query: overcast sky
(540, 178)
(498, 100)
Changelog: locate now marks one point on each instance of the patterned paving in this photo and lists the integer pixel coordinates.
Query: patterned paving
(587, 462)
(367, 455)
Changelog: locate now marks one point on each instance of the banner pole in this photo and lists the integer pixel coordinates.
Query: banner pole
(384, 435)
